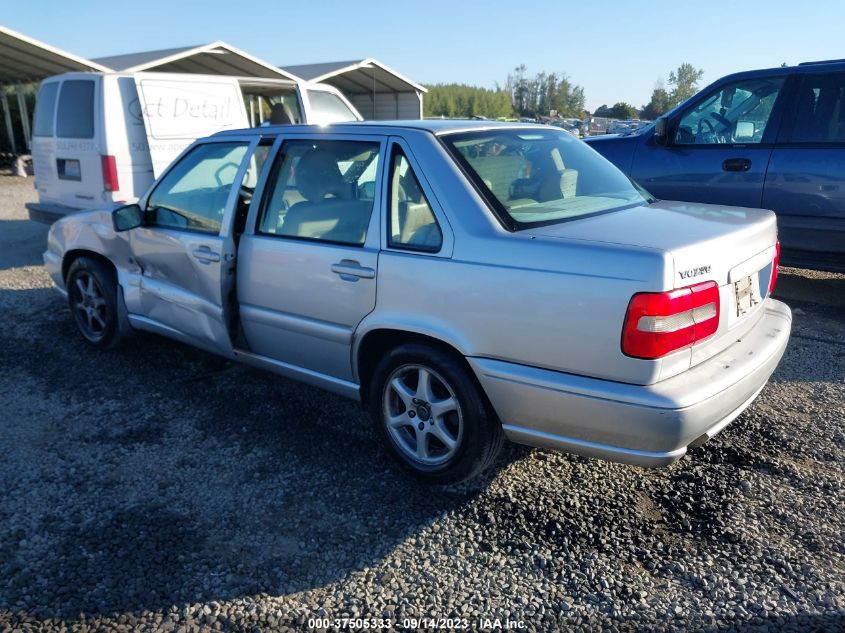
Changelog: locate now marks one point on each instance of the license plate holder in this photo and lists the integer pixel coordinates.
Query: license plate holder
(746, 298)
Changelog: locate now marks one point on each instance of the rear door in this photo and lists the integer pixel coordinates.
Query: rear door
(307, 267)
(180, 108)
(804, 185)
(79, 143)
(719, 146)
(186, 247)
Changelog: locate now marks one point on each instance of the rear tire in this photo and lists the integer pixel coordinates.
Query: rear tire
(92, 298)
(434, 418)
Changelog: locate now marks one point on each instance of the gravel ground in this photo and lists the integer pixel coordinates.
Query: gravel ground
(156, 487)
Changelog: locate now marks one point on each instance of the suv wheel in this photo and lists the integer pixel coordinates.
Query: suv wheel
(433, 416)
(92, 298)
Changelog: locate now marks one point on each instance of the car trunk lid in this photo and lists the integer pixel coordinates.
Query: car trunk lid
(729, 245)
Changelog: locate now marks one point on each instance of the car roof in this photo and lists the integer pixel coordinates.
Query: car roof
(434, 126)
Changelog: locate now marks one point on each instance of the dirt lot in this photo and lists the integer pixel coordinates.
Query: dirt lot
(159, 487)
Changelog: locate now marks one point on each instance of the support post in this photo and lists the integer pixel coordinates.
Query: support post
(27, 133)
(8, 116)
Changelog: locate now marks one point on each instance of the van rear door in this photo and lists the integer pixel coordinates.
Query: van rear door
(78, 145)
(178, 109)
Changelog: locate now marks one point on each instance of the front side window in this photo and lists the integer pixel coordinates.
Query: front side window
(411, 223)
(193, 195)
(327, 107)
(45, 108)
(322, 190)
(821, 110)
(736, 113)
(535, 177)
(75, 116)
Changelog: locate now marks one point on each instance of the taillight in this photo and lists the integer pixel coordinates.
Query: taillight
(775, 263)
(110, 174)
(661, 322)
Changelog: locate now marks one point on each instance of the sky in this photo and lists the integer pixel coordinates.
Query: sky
(616, 50)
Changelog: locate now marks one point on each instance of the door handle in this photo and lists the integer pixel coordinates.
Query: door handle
(736, 164)
(205, 255)
(350, 270)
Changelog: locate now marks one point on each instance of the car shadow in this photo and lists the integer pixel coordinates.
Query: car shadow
(159, 475)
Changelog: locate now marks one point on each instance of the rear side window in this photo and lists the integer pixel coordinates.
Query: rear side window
(45, 107)
(327, 107)
(75, 117)
(411, 223)
(821, 110)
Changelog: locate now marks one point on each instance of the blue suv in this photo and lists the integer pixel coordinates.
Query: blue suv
(772, 139)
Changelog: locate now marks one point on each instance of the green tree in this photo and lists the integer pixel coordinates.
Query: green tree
(462, 101)
(544, 93)
(659, 103)
(684, 82)
(622, 110)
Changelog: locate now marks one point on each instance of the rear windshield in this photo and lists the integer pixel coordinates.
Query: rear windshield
(532, 177)
(45, 108)
(75, 116)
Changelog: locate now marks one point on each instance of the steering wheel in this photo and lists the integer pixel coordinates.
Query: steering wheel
(701, 123)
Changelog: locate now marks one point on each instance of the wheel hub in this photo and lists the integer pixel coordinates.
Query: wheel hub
(424, 412)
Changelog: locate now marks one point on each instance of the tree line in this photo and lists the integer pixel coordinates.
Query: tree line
(552, 95)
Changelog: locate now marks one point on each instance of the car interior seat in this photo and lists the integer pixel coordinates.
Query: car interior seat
(328, 211)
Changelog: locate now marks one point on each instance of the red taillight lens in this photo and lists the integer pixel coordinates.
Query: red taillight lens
(775, 264)
(661, 322)
(110, 174)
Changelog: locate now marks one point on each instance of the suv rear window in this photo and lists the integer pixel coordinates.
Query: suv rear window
(533, 176)
(45, 107)
(75, 117)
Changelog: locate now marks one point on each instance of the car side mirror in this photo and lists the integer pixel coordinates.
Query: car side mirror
(660, 130)
(128, 217)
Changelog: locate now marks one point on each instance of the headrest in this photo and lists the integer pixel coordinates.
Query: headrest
(317, 175)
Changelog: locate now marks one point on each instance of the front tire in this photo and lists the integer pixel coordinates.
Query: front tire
(92, 298)
(432, 414)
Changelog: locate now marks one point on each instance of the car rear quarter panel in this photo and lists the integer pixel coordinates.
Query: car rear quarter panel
(548, 305)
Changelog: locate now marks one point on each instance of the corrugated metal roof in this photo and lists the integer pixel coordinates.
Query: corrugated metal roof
(309, 72)
(23, 59)
(362, 76)
(129, 60)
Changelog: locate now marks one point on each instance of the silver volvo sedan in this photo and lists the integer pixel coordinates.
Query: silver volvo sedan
(465, 281)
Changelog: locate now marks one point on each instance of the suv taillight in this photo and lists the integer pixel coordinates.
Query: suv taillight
(775, 264)
(661, 322)
(110, 174)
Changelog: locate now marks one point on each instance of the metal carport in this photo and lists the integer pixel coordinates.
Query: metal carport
(216, 58)
(24, 60)
(377, 91)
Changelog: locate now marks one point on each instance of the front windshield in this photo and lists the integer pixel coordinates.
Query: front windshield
(532, 177)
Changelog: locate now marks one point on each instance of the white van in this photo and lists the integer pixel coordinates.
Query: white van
(104, 137)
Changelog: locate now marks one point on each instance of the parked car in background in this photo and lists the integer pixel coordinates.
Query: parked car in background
(104, 137)
(772, 139)
(464, 280)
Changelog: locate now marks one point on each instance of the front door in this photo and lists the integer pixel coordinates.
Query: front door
(185, 249)
(719, 146)
(307, 268)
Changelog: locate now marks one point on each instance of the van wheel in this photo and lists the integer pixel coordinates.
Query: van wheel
(433, 416)
(92, 298)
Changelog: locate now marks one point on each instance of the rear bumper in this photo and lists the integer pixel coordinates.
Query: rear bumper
(47, 213)
(650, 425)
